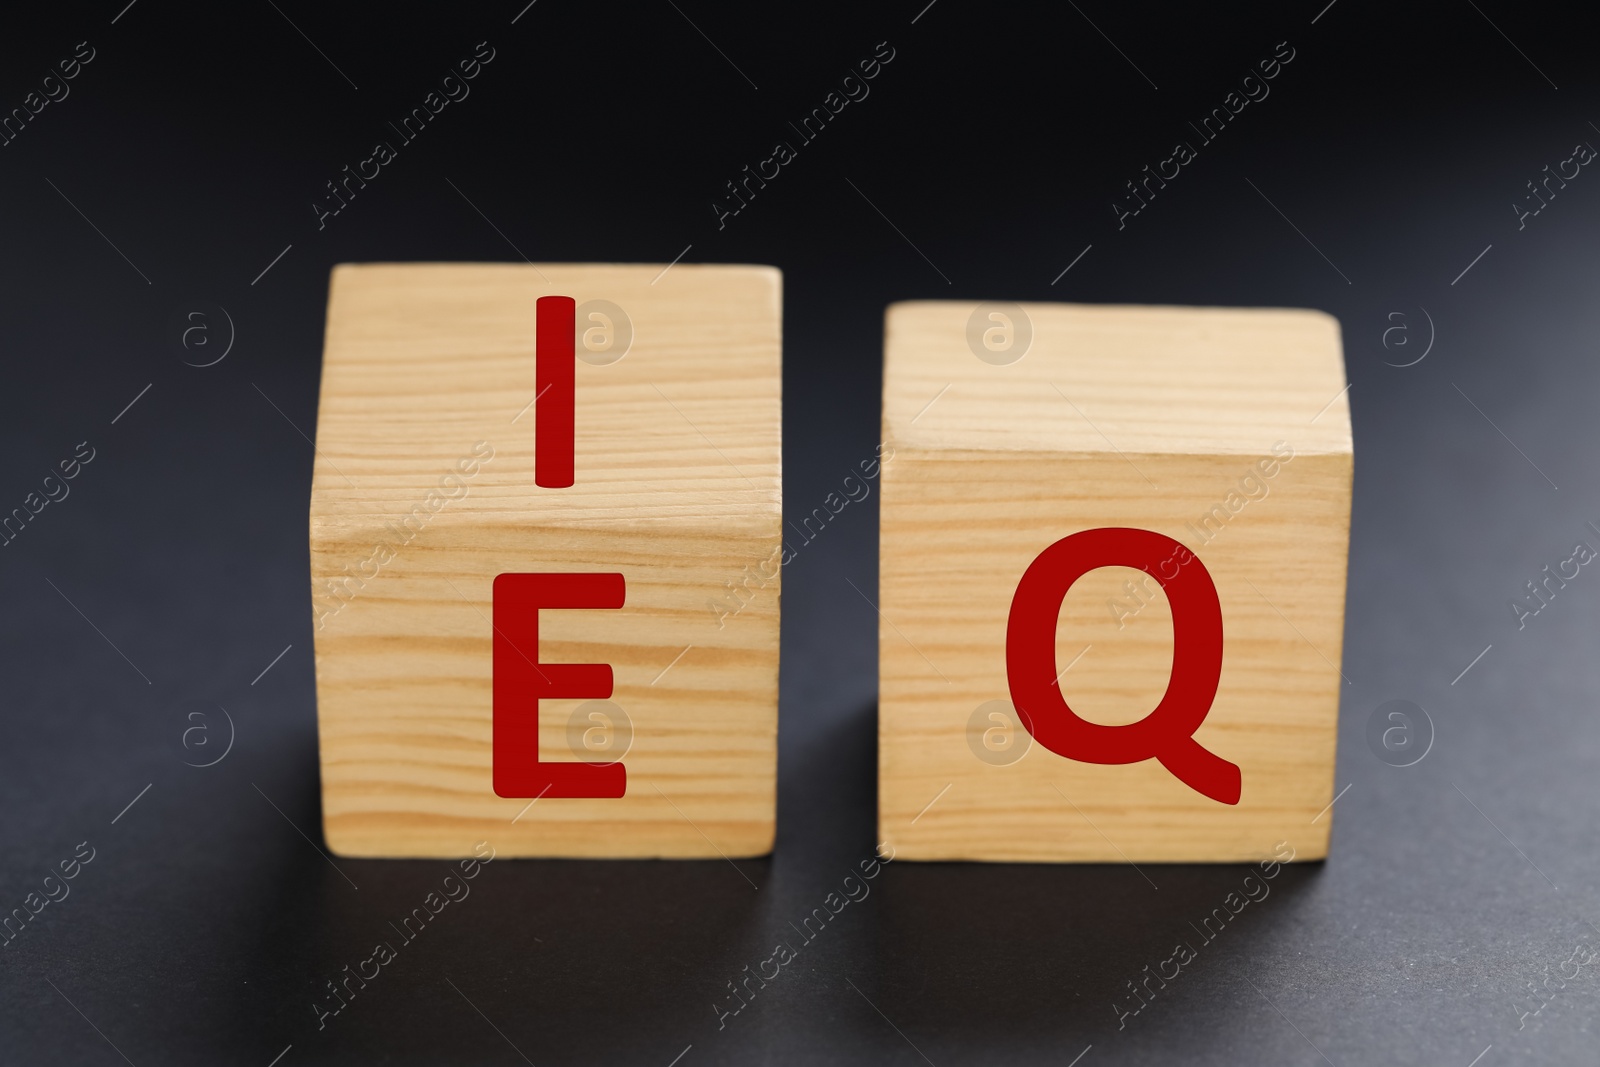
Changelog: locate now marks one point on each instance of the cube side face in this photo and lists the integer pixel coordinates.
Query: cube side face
(405, 696)
(957, 535)
(425, 493)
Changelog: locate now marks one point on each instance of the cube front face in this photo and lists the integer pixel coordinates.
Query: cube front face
(1085, 432)
(424, 493)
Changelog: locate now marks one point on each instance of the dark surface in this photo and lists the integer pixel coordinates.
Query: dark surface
(204, 927)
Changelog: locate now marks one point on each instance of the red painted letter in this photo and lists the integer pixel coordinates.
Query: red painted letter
(1167, 732)
(555, 373)
(521, 681)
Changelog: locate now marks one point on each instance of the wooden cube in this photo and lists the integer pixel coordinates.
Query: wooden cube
(1225, 432)
(436, 522)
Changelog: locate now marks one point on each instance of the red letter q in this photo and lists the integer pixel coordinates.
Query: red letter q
(1167, 733)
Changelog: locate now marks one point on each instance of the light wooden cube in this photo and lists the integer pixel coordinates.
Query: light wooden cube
(1225, 430)
(424, 493)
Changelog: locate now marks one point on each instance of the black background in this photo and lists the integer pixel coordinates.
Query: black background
(196, 141)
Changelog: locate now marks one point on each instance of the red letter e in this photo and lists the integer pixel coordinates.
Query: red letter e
(521, 681)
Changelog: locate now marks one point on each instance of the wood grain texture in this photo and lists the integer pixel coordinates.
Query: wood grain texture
(1148, 417)
(423, 491)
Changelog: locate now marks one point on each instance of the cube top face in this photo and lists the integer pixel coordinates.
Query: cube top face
(1151, 379)
(677, 384)
(1223, 433)
(437, 551)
